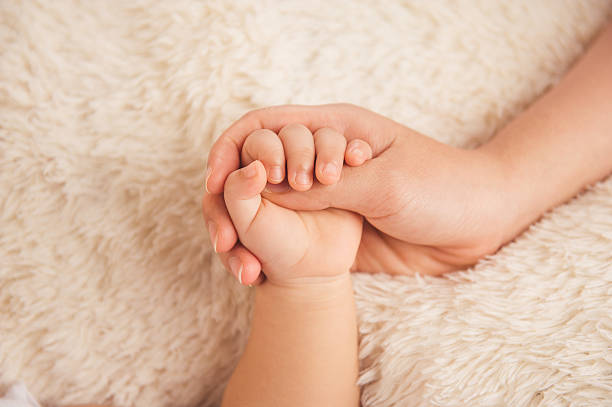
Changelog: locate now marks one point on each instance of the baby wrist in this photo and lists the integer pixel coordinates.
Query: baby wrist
(308, 289)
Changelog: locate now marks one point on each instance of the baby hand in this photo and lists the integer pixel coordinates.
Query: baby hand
(293, 245)
(323, 153)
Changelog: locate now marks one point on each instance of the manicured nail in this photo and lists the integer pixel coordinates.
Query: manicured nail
(212, 229)
(302, 178)
(276, 174)
(236, 267)
(330, 170)
(250, 170)
(208, 172)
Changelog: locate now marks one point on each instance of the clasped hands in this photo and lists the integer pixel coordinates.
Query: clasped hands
(428, 207)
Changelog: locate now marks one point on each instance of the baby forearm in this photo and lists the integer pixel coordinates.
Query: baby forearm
(563, 141)
(302, 349)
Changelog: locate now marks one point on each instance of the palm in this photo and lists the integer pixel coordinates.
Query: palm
(302, 239)
(379, 252)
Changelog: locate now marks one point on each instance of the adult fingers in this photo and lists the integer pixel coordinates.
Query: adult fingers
(349, 120)
(360, 189)
(300, 154)
(330, 147)
(243, 199)
(243, 265)
(264, 145)
(223, 235)
(233, 255)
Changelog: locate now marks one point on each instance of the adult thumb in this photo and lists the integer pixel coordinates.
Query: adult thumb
(358, 190)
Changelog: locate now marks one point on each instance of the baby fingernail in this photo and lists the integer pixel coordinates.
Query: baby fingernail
(212, 229)
(302, 178)
(276, 174)
(357, 153)
(330, 170)
(236, 267)
(277, 188)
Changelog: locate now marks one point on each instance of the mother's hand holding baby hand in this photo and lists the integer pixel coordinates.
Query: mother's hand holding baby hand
(430, 208)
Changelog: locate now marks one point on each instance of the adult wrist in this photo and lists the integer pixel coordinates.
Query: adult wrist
(514, 192)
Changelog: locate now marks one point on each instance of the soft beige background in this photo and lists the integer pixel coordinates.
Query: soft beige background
(108, 289)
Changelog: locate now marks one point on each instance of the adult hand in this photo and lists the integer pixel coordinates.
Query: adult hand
(430, 208)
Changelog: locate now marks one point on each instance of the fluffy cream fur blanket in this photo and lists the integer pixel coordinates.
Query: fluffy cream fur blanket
(109, 291)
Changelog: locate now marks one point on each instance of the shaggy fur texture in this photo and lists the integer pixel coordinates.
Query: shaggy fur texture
(109, 291)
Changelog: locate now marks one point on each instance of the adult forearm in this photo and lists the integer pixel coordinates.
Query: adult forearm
(563, 142)
(302, 349)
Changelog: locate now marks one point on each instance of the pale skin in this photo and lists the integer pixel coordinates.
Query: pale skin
(546, 155)
(432, 208)
(304, 308)
(302, 348)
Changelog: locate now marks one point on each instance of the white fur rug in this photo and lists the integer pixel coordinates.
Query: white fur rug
(108, 288)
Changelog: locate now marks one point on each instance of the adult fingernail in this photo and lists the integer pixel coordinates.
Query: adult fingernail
(236, 267)
(212, 229)
(276, 174)
(302, 178)
(250, 170)
(330, 170)
(208, 172)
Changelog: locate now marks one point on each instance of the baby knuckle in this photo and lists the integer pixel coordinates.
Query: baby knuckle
(261, 140)
(261, 133)
(302, 154)
(327, 133)
(273, 157)
(294, 128)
